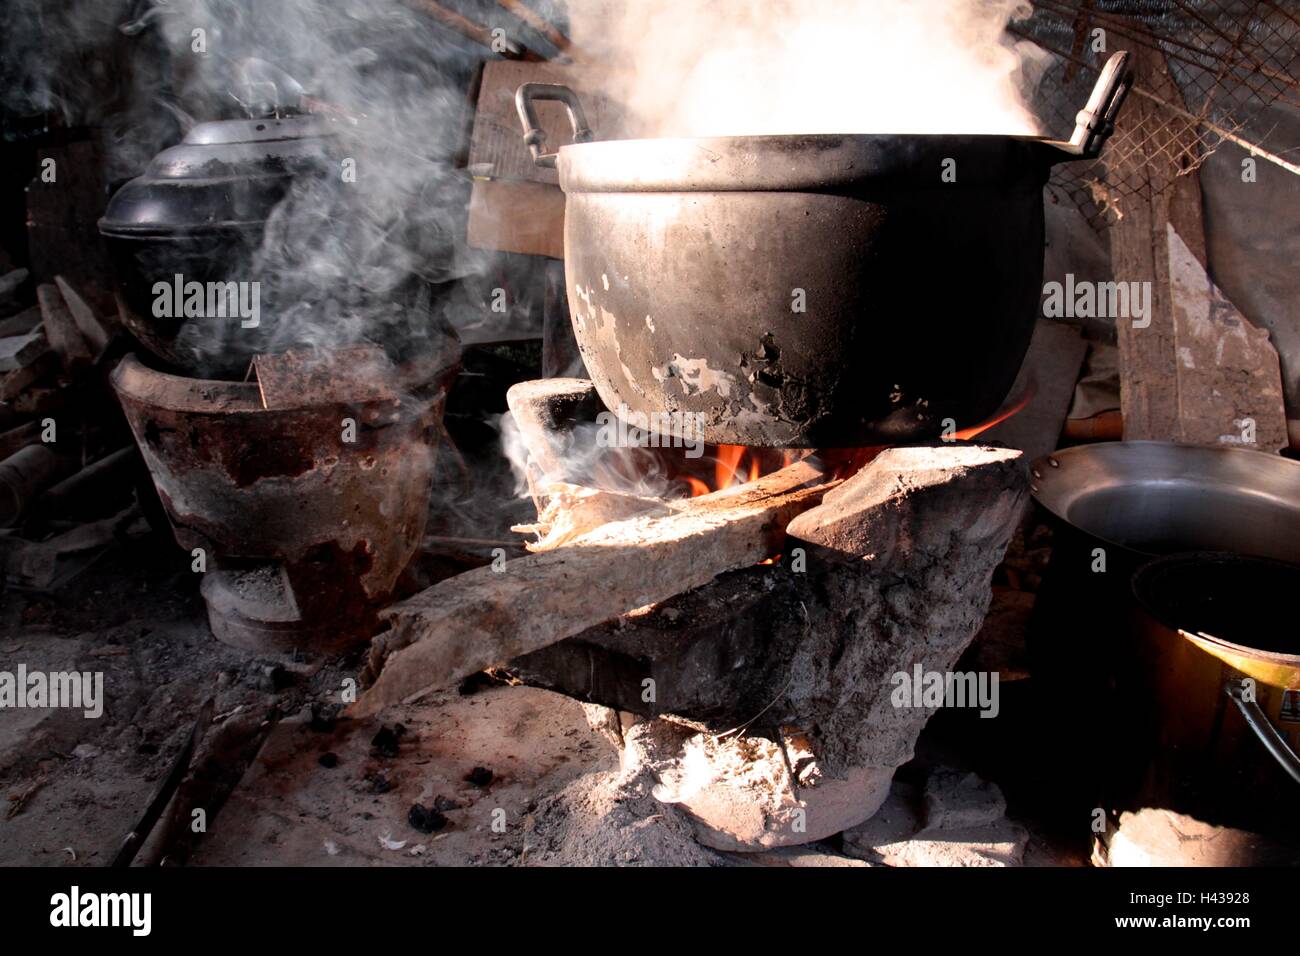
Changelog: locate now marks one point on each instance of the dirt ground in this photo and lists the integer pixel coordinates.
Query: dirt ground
(74, 787)
(487, 774)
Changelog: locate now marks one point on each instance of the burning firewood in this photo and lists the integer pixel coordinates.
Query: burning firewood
(570, 511)
(492, 614)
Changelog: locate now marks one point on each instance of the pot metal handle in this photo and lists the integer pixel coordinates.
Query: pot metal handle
(1258, 721)
(534, 135)
(1096, 121)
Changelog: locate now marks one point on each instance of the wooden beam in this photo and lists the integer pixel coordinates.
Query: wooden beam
(490, 615)
(1199, 372)
(504, 45)
(1148, 354)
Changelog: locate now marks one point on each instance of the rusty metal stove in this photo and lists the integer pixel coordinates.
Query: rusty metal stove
(306, 512)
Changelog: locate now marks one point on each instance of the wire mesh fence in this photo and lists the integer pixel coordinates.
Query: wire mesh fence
(1232, 66)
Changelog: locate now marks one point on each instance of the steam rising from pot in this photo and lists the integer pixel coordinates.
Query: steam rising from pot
(349, 254)
(341, 253)
(750, 67)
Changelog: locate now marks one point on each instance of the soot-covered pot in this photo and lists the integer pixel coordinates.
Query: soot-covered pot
(200, 212)
(808, 290)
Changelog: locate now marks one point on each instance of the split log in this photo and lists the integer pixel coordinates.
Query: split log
(898, 557)
(20, 351)
(61, 329)
(570, 511)
(18, 438)
(10, 283)
(42, 564)
(25, 322)
(15, 383)
(35, 402)
(775, 687)
(89, 324)
(24, 476)
(102, 484)
(486, 617)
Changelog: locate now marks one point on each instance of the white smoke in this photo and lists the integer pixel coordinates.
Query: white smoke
(748, 67)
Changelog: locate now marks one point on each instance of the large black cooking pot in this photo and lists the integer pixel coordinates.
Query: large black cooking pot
(807, 291)
(200, 211)
(263, 201)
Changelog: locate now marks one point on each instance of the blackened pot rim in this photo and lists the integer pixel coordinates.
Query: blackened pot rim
(1145, 578)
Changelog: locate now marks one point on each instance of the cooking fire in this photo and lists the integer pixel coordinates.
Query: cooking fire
(595, 433)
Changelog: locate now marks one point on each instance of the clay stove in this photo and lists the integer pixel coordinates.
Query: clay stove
(302, 494)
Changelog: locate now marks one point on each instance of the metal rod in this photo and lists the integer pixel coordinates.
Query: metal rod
(1222, 133)
(1273, 742)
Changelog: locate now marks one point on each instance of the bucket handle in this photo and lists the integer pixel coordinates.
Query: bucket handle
(1258, 721)
(534, 135)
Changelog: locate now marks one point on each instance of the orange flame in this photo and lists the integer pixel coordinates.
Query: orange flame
(966, 434)
(738, 464)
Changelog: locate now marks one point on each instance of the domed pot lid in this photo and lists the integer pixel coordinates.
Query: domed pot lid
(227, 174)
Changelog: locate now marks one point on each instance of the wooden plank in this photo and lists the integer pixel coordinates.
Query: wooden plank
(516, 217)
(300, 378)
(497, 147)
(1229, 375)
(486, 617)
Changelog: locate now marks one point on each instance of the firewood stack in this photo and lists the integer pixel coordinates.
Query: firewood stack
(67, 472)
